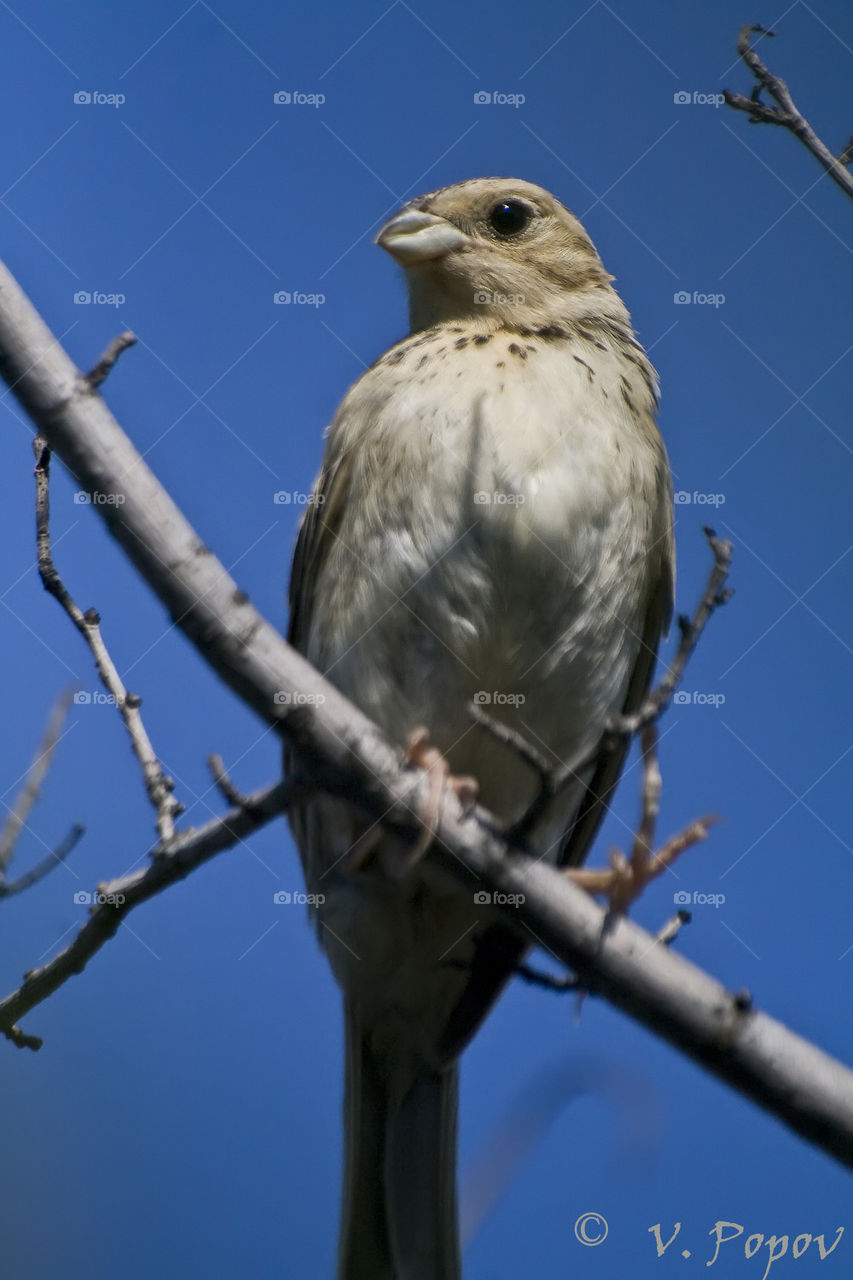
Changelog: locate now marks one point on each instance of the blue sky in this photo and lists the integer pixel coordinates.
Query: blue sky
(183, 1116)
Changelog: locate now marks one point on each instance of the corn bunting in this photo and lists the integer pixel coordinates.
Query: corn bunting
(492, 523)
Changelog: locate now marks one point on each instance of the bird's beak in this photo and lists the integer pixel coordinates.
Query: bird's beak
(413, 237)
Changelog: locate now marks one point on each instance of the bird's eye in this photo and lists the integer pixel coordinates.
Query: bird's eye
(509, 217)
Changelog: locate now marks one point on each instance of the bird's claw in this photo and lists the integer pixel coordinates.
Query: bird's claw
(624, 881)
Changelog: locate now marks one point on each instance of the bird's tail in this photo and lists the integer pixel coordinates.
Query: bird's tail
(399, 1194)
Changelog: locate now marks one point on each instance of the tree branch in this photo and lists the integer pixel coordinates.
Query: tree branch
(158, 786)
(27, 796)
(100, 372)
(114, 899)
(786, 113)
(342, 752)
(47, 864)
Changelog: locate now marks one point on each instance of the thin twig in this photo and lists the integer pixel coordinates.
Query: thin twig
(786, 113)
(101, 370)
(670, 931)
(116, 898)
(41, 869)
(226, 788)
(158, 786)
(644, 837)
(503, 733)
(538, 978)
(714, 595)
(32, 784)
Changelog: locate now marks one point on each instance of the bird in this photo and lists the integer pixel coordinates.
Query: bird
(491, 527)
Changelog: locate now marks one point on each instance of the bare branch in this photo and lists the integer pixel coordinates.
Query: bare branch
(230, 794)
(158, 786)
(510, 737)
(31, 787)
(41, 869)
(714, 595)
(341, 751)
(786, 113)
(538, 978)
(102, 369)
(116, 898)
(670, 931)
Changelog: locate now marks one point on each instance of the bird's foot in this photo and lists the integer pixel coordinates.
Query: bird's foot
(624, 881)
(423, 756)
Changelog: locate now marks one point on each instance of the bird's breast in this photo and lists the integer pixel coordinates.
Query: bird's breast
(495, 542)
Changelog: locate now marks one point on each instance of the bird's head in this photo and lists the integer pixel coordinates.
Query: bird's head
(499, 250)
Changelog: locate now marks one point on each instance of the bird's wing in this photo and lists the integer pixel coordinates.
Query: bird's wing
(499, 951)
(590, 814)
(317, 532)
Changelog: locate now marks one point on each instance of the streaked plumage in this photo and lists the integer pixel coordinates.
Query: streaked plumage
(414, 595)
